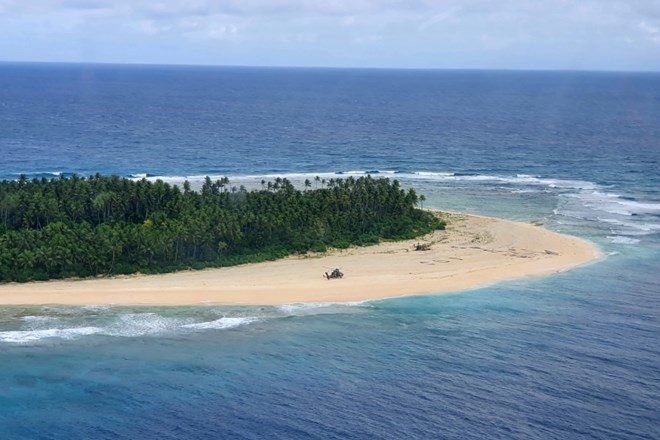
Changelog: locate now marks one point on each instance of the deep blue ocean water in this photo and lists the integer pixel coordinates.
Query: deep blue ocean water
(571, 356)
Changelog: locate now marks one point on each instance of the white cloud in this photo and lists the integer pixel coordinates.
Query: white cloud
(518, 31)
(149, 27)
(220, 31)
(652, 32)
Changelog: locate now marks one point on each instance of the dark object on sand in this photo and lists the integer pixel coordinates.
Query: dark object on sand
(423, 247)
(335, 274)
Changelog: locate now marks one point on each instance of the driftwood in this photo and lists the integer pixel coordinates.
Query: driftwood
(335, 274)
(423, 247)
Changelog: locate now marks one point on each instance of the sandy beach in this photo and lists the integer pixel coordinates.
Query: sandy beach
(474, 251)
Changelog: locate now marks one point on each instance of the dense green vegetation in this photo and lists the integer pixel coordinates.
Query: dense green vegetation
(110, 225)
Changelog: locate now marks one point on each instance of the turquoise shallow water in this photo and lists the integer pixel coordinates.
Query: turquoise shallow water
(569, 356)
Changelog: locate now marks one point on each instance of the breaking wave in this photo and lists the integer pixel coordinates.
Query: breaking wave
(620, 239)
(64, 323)
(222, 323)
(23, 336)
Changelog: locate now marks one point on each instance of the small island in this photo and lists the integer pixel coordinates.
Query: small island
(108, 238)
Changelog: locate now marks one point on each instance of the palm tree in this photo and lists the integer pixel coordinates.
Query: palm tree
(307, 183)
(223, 182)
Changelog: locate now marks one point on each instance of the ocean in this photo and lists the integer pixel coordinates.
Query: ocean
(570, 356)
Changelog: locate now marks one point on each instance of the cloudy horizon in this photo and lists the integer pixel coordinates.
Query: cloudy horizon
(468, 34)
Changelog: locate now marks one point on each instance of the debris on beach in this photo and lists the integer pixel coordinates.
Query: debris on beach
(335, 274)
(423, 247)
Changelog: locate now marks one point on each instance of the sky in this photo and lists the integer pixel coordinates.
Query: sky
(463, 34)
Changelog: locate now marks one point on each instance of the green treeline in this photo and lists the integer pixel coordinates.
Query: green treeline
(110, 225)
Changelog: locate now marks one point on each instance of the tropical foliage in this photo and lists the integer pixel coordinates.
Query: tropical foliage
(110, 225)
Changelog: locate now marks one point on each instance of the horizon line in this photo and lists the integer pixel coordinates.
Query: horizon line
(318, 67)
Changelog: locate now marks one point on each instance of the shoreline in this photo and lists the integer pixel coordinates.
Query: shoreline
(474, 251)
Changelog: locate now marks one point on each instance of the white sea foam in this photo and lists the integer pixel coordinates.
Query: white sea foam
(615, 203)
(636, 228)
(39, 319)
(125, 325)
(40, 174)
(41, 322)
(614, 221)
(142, 324)
(620, 239)
(24, 336)
(519, 179)
(622, 215)
(525, 191)
(96, 307)
(304, 308)
(433, 174)
(52, 173)
(365, 172)
(222, 323)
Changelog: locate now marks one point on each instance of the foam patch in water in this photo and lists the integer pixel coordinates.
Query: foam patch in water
(620, 239)
(222, 323)
(24, 336)
(304, 308)
(142, 324)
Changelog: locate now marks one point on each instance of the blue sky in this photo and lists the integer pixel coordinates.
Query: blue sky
(510, 34)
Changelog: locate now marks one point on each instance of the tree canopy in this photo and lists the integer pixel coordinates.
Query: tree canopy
(106, 225)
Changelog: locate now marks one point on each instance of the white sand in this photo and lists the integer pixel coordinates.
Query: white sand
(473, 251)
